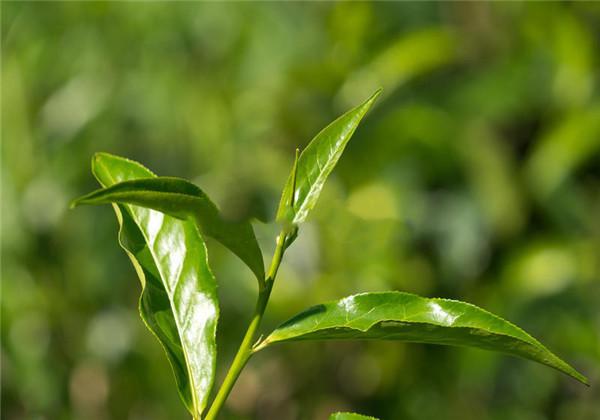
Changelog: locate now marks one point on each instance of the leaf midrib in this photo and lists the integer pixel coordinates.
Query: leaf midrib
(535, 345)
(527, 337)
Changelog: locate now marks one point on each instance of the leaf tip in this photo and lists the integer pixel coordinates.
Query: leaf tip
(581, 378)
(97, 156)
(74, 203)
(84, 199)
(375, 95)
(96, 159)
(569, 370)
(370, 101)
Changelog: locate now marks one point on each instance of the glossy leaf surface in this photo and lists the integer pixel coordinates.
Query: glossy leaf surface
(411, 318)
(350, 416)
(182, 199)
(178, 301)
(316, 163)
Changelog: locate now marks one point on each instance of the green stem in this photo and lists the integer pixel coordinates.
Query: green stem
(245, 350)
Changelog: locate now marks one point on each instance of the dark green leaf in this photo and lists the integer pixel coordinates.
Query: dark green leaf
(411, 318)
(316, 163)
(350, 416)
(182, 199)
(178, 301)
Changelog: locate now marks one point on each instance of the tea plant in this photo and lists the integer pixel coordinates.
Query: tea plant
(162, 221)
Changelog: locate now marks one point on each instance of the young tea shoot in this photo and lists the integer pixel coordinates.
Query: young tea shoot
(162, 225)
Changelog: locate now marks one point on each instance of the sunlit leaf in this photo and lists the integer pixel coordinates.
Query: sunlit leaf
(407, 317)
(178, 301)
(316, 162)
(182, 199)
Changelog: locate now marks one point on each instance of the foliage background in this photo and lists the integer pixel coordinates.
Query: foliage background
(477, 177)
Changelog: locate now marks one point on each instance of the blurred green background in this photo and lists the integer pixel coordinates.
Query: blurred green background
(476, 177)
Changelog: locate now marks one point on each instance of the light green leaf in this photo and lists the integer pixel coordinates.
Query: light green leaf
(407, 317)
(350, 416)
(316, 162)
(178, 302)
(182, 199)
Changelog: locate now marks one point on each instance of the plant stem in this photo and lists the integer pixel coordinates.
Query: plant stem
(245, 350)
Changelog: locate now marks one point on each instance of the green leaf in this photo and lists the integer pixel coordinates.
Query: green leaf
(178, 303)
(350, 416)
(407, 317)
(316, 162)
(182, 199)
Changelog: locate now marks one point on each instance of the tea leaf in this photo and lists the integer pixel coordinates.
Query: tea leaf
(316, 162)
(182, 199)
(179, 302)
(407, 317)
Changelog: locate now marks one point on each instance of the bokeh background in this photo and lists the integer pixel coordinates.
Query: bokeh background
(476, 177)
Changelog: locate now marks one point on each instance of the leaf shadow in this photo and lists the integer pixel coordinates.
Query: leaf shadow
(314, 310)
